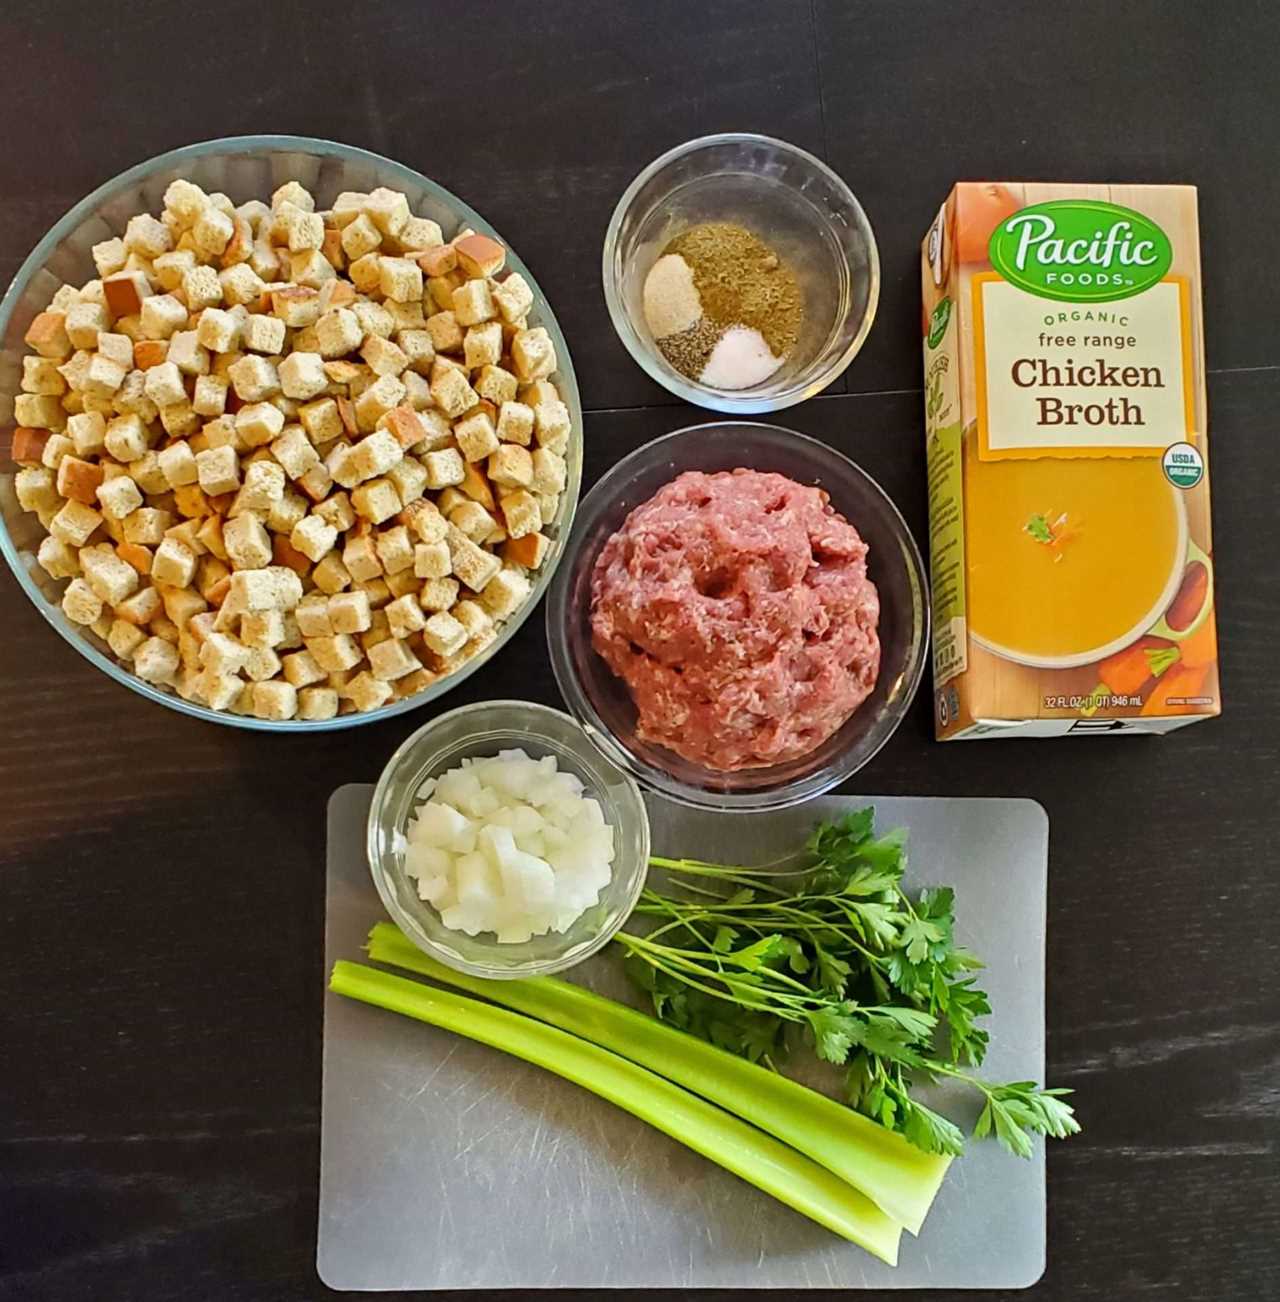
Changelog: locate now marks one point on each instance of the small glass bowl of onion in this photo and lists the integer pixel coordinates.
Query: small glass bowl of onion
(477, 734)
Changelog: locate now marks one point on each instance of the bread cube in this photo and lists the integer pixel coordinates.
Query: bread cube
(338, 332)
(376, 500)
(218, 470)
(471, 563)
(47, 334)
(533, 354)
(521, 513)
(482, 345)
(420, 233)
(314, 537)
(41, 375)
(444, 467)
(164, 384)
(382, 396)
(161, 315)
(388, 210)
(477, 437)
(294, 451)
(400, 279)
(350, 612)
(264, 334)
(254, 378)
(445, 332)
(431, 560)
(511, 466)
(120, 497)
(515, 423)
(264, 486)
(360, 556)
(438, 261)
(212, 231)
(513, 297)
(552, 425)
(336, 653)
(298, 306)
(80, 603)
(74, 523)
(395, 550)
(382, 356)
(174, 563)
(391, 659)
(443, 634)
(410, 479)
(505, 593)
(275, 699)
(317, 703)
(480, 256)
(321, 419)
(156, 661)
(473, 304)
(360, 236)
(240, 284)
(405, 617)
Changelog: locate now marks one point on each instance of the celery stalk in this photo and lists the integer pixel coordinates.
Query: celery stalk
(726, 1140)
(900, 1179)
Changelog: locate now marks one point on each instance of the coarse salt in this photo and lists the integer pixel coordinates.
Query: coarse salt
(740, 359)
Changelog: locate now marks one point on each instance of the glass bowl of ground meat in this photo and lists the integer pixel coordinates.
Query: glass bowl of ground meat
(741, 617)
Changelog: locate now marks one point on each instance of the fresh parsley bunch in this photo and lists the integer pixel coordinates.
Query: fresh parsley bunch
(833, 944)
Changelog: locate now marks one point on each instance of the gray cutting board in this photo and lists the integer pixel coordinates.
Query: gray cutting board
(448, 1165)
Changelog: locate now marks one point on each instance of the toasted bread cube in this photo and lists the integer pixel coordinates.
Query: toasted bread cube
(126, 437)
(187, 352)
(56, 448)
(515, 423)
(313, 616)
(438, 594)
(314, 537)
(513, 297)
(271, 588)
(480, 256)
(443, 634)
(79, 480)
(405, 316)
(161, 315)
(444, 332)
(494, 383)
(73, 371)
(240, 284)
(533, 354)
(294, 451)
(149, 352)
(298, 306)
(376, 500)
(80, 603)
(178, 464)
(350, 612)
(264, 334)
(338, 332)
(301, 669)
(405, 617)
(212, 230)
(247, 543)
(263, 664)
(511, 466)
(254, 378)
(505, 593)
(262, 630)
(174, 563)
(331, 574)
(147, 526)
(439, 433)
(549, 472)
(84, 322)
(440, 289)
(124, 639)
(218, 330)
(379, 593)
(35, 489)
(336, 653)
(179, 419)
(117, 348)
(120, 497)
(521, 513)
(382, 396)
(365, 273)
(275, 699)
(41, 375)
(482, 345)
(405, 426)
(439, 260)
(426, 521)
(382, 356)
(395, 549)
(29, 448)
(391, 659)
(360, 236)
(432, 561)
(310, 267)
(361, 559)
(402, 582)
(530, 550)
(156, 661)
(473, 617)
(473, 304)
(302, 374)
(400, 279)
(477, 437)
(264, 486)
(223, 653)
(109, 256)
(218, 470)
(444, 467)
(552, 425)
(417, 348)
(419, 234)
(388, 210)
(322, 420)
(74, 523)
(182, 605)
(317, 703)
(219, 691)
(200, 287)
(210, 397)
(371, 457)
(102, 377)
(473, 520)
(285, 513)
(409, 478)
(298, 228)
(39, 411)
(170, 270)
(471, 563)
(57, 559)
(258, 423)
(366, 692)
(47, 334)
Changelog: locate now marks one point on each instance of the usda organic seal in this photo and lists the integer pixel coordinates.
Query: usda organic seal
(1183, 465)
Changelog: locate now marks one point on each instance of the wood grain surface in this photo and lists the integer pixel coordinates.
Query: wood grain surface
(162, 880)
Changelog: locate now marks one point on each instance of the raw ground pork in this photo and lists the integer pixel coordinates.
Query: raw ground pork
(737, 609)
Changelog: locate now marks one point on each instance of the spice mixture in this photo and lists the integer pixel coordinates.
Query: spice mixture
(724, 309)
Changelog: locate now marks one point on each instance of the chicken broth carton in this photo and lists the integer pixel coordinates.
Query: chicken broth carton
(1070, 545)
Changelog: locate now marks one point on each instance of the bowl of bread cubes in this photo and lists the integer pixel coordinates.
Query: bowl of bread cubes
(289, 437)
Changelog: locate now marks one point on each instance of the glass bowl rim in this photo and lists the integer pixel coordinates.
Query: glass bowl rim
(699, 394)
(85, 209)
(759, 800)
(634, 795)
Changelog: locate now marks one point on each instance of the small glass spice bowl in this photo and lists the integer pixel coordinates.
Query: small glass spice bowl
(482, 730)
(794, 203)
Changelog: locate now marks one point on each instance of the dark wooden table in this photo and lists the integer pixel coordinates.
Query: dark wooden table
(162, 879)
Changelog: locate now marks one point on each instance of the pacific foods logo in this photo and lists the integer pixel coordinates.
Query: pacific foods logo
(1080, 251)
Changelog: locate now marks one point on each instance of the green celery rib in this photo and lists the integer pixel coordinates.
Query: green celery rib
(726, 1140)
(895, 1175)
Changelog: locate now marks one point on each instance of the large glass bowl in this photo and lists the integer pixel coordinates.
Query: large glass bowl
(601, 702)
(482, 730)
(796, 204)
(244, 167)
